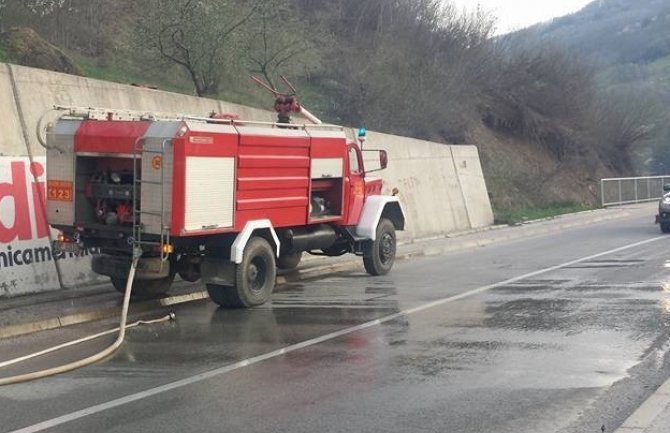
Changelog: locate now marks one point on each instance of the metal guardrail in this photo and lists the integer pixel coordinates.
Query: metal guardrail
(628, 190)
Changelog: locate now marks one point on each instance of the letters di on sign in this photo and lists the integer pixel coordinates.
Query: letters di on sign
(26, 257)
(20, 198)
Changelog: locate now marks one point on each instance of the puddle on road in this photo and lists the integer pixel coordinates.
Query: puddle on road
(610, 263)
(640, 317)
(530, 314)
(290, 288)
(535, 286)
(381, 291)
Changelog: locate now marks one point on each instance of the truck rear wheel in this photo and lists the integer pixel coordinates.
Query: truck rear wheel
(379, 257)
(144, 288)
(254, 278)
(665, 227)
(289, 261)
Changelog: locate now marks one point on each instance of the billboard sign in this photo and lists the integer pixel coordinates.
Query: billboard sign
(28, 263)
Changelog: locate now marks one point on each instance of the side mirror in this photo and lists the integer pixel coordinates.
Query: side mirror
(666, 187)
(384, 159)
(375, 160)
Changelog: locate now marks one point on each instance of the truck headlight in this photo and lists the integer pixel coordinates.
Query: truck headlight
(666, 200)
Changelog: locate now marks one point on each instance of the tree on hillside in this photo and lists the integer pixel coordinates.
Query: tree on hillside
(194, 35)
(278, 42)
(407, 66)
(541, 93)
(11, 10)
(620, 120)
(91, 27)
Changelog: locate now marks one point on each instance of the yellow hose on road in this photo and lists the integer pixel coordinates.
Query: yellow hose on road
(93, 358)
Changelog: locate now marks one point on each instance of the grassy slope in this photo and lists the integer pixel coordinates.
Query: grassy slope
(120, 70)
(520, 215)
(654, 75)
(659, 73)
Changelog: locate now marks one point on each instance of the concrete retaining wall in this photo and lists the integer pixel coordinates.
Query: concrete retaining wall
(442, 187)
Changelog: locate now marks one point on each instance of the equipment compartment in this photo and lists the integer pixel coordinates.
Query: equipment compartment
(325, 199)
(104, 190)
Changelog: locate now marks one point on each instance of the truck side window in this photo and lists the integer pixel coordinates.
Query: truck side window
(354, 165)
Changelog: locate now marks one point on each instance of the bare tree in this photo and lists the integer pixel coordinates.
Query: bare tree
(193, 35)
(27, 9)
(620, 120)
(277, 42)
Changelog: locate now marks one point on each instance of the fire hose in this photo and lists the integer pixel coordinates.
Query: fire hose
(93, 358)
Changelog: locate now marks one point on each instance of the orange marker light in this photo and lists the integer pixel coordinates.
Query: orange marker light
(358, 188)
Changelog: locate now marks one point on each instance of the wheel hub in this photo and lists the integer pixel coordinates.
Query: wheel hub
(386, 248)
(256, 274)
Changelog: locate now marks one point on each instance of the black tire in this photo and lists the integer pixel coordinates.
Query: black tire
(665, 227)
(379, 257)
(144, 288)
(289, 261)
(254, 278)
(220, 295)
(191, 275)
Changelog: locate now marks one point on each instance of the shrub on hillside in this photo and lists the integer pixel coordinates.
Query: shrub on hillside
(24, 46)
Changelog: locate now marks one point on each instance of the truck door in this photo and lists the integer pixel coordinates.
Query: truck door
(355, 185)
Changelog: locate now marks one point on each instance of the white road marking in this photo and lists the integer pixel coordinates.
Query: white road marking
(292, 348)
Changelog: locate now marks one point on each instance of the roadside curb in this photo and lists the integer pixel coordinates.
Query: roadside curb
(425, 247)
(645, 415)
(100, 314)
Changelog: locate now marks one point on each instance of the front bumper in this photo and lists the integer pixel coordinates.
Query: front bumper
(663, 215)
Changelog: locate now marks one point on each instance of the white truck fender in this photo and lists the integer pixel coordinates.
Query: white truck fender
(374, 208)
(237, 249)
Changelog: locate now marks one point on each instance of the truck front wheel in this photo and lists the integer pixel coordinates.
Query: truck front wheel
(144, 288)
(379, 256)
(254, 278)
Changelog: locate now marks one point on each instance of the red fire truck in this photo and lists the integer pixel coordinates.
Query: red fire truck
(213, 198)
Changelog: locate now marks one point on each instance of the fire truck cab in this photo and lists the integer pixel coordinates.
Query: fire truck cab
(221, 200)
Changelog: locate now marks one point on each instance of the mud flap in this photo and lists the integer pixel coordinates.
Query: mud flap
(219, 271)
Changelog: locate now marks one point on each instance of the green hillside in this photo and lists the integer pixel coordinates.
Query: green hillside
(629, 43)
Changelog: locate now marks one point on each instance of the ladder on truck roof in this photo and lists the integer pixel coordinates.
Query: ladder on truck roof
(140, 151)
(98, 113)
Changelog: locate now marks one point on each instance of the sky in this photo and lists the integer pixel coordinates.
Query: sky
(517, 14)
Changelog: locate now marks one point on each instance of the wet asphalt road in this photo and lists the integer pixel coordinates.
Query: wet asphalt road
(542, 347)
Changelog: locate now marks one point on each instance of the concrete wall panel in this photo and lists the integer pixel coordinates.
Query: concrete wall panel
(429, 187)
(472, 185)
(39, 90)
(11, 138)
